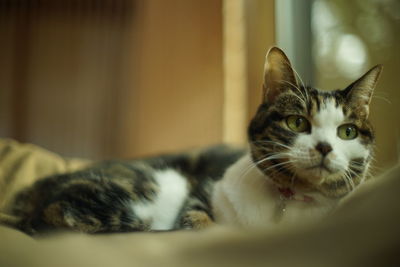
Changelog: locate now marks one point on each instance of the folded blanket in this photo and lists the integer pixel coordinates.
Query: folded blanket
(363, 232)
(23, 164)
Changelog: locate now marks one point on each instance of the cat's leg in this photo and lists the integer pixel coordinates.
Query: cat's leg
(196, 219)
(195, 215)
(66, 215)
(91, 207)
(9, 220)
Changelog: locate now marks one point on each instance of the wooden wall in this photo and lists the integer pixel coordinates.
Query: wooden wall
(104, 78)
(175, 98)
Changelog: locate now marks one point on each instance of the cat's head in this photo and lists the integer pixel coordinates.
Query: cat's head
(304, 137)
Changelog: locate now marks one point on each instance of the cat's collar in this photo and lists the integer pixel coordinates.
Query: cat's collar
(289, 194)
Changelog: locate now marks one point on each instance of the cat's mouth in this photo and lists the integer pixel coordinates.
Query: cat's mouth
(321, 166)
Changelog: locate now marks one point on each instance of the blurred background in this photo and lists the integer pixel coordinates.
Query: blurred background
(105, 78)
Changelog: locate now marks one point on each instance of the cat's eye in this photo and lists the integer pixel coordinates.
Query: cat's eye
(298, 123)
(347, 131)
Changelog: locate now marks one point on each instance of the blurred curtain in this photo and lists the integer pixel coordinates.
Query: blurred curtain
(127, 78)
(60, 72)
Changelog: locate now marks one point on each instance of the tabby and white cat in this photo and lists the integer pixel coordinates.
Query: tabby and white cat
(308, 148)
(155, 194)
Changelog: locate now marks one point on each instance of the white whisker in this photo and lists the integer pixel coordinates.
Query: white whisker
(382, 98)
(305, 89)
(303, 98)
(279, 164)
(255, 164)
(272, 142)
(347, 180)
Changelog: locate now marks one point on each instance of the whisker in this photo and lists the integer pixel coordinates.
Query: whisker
(307, 98)
(279, 169)
(279, 164)
(255, 164)
(270, 158)
(303, 98)
(271, 142)
(347, 181)
(349, 174)
(351, 169)
(374, 169)
(346, 177)
(305, 89)
(247, 169)
(383, 99)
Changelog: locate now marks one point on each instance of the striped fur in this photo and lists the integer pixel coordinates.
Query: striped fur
(179, 191)
(155, 194)
(294, 174)
(270, 136)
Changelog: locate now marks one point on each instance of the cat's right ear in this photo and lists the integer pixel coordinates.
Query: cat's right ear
(278, 75)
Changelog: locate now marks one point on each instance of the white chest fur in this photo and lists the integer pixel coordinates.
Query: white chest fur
(246, 197)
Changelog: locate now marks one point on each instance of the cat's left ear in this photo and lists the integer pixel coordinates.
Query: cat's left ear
(359, 93)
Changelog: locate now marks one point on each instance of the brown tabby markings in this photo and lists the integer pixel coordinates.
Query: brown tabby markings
(269, 125)
(101, 198)
(283, 96)
(197, 220)
(98, 199)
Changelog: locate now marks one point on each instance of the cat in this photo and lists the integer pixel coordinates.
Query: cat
(307, 150)
(161, 193)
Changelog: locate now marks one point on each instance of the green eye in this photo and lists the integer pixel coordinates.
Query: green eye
(347, 131)
(298, 123)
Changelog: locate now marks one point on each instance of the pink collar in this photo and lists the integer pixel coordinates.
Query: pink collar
(289, 194)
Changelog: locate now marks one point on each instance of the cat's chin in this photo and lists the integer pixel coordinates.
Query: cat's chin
(317, 175)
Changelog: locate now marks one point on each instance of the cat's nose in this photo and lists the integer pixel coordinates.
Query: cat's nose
(324, 148)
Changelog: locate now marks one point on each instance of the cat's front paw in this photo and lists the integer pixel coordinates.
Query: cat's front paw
(196, 220)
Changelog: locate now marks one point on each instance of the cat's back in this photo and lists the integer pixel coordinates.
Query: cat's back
(142, 194)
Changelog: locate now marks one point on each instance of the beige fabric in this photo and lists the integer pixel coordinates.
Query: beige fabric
(22, 164)
(363, 232)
